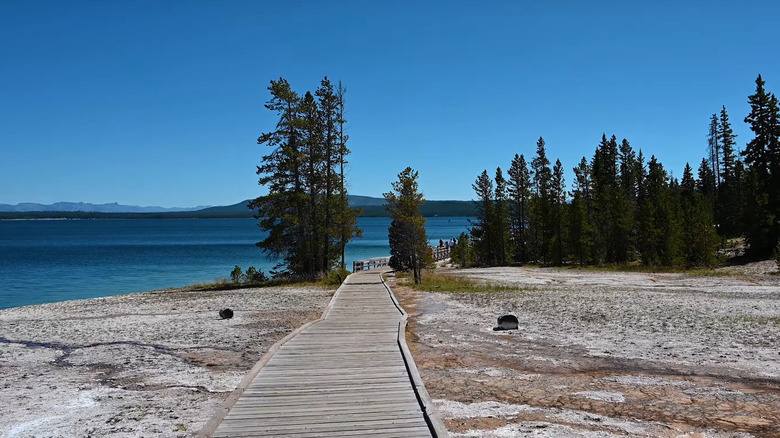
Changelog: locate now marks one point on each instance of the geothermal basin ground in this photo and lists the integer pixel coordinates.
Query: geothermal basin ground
(603, 354)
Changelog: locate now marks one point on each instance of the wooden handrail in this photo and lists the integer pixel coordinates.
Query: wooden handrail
(439, 253)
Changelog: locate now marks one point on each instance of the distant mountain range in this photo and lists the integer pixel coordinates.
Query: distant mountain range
(371, 207)
(95, 208)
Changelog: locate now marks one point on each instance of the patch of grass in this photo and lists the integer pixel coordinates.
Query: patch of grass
(759, 320)
(702, 272)
(438, 282)
(336, 277)
(222, 284)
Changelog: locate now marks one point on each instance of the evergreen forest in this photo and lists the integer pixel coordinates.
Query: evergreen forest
(623, 207)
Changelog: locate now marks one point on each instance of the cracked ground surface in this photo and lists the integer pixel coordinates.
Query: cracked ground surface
(602, 354)
(149, 364)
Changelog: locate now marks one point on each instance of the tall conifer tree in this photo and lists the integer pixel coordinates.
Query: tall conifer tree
(482, 230)
(406, 234)
(519, 189)
(558, 197)
(580, 229)
(501, 220)
(302, 211)
(762, 155)
(541, 202)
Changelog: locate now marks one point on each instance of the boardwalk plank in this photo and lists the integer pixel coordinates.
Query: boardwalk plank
(344, 375)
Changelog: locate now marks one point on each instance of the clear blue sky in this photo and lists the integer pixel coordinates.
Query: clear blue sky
(161, 102)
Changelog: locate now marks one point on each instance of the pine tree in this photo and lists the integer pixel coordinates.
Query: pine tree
(659, 229)
(558, 196)
(699, 240)
(482, 230)
(347, 220)
(302, 204)
(311, 156)
(762, 155)
(609, 243)
(626, 204)
(713, 144)
(727, 143)
(580, 229)
(725, 205)
(282, 208)
(461, 252)
(501, 220)
(540, 203)
(406, 234)
(519, 189)
(328, 107)
(705, 181)
(688, 183)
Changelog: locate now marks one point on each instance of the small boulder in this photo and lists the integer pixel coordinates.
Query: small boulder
(225, 313)
(507, 322)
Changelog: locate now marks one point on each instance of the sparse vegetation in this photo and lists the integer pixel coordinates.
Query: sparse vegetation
(237, 275)
(336, 277)
(435, 281)
(704, 272)
(777, 257)
(256, 278)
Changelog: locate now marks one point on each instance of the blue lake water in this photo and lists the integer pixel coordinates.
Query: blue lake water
(45, 261)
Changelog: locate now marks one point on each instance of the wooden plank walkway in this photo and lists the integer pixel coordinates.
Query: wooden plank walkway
(348, 374)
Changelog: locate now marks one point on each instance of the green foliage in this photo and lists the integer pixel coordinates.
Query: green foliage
(761, 186)
(619, 211)
(305, 212)
(255, 276)
(237, 276)
(252, 275)
(558, 198)
(406, 234)
(440, 282)
(519, 190)
(777, 256)
(461, 252)
(579, 217)
(336, 277)
(500, 226)
(699, 239)
(482, 231)
(540, 222)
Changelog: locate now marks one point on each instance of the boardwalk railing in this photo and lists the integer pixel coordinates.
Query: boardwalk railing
(369, 264)
(439, 253)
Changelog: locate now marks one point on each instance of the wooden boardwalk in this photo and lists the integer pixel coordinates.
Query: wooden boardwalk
(347, 374)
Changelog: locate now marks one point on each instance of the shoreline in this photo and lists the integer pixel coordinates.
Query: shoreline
(157, 363)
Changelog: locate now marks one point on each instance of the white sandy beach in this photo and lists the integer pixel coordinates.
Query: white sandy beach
(146, 364)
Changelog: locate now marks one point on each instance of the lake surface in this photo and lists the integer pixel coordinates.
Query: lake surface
(44, 261)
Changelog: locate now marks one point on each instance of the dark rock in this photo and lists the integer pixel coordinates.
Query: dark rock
(507, 322)
(225, 313)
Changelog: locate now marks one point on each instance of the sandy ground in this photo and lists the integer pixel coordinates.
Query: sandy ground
(149, 364)
(603, 354)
